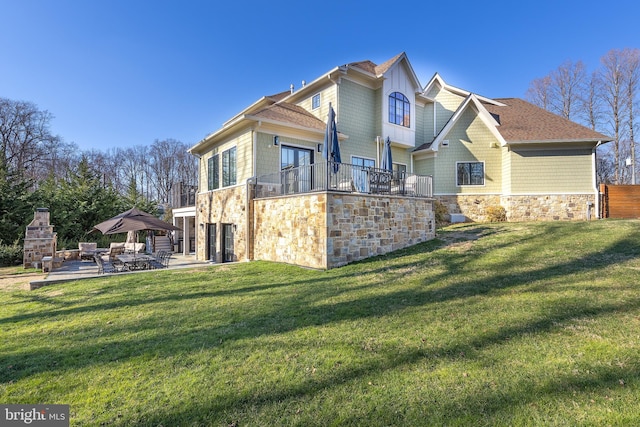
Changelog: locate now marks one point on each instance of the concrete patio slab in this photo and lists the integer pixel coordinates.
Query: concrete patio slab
(77, 270)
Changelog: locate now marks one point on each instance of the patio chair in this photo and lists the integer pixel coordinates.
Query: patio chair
(134, 248)
(165, 259)
(87, 250)
(161, 260)
(104, 267)
(115, 249)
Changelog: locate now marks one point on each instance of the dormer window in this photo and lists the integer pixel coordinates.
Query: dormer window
(399, 110)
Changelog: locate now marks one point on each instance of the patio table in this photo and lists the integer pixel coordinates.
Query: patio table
(135, 261)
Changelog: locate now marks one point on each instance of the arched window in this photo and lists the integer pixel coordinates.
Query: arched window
(399, 109)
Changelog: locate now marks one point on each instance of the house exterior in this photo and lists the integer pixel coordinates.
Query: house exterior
(266, 192)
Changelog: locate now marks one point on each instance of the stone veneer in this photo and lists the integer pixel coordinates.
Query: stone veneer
(40, 239)
(226, 206)
(362, 226)
(291, 229)
(549, 208)
(327, 230)
(522, 208)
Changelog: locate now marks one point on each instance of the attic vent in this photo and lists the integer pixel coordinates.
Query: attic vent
(445, 142)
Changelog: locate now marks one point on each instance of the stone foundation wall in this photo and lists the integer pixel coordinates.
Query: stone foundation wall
(473, 207)
(549, 208)
(364, 226)
(522, 208)
(226, 206)
(327, 230)
(291, 229)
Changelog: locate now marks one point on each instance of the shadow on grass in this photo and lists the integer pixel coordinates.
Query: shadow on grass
(297, 307)
(302, 307)
(486, 403)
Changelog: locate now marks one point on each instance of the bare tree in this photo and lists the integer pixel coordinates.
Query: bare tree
(612, 80)
(592, 101)
(24, 134)
(164, 166)
(539, 92)
(566, 88)
(632, 81)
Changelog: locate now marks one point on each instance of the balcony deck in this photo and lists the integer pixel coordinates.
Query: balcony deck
(343, 177)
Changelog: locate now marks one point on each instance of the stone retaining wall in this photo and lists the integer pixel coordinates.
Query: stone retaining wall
(327, 230)
(292, 229)
(362, 226)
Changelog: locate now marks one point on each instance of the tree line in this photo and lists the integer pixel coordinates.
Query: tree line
(605, 99)
(80, 188)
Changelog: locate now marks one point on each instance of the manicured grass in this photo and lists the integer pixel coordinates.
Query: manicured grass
(491, 324)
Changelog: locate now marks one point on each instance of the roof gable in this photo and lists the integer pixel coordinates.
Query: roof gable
(471, 101)
(437, 80)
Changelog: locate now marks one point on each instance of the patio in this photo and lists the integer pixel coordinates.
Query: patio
(76, 270)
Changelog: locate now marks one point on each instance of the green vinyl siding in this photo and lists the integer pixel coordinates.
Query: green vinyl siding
(506, 171)
(327, 95)
(357, 119)
(469, 141)
(424, 166)
(446, 104)
(551, 171)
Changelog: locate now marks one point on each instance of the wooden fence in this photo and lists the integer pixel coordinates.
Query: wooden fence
(619, 201)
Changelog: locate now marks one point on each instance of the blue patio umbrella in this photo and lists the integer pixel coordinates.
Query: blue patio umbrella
(331, 148)
(387, 161)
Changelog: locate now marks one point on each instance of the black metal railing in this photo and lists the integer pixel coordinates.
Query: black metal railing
(331, 176)
(183, 195)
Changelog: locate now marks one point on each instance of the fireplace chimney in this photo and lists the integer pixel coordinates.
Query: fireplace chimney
(40, 240)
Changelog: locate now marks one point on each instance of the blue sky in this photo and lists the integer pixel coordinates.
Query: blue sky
(124, 73)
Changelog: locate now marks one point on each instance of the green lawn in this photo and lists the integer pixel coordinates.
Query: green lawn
(490, 324)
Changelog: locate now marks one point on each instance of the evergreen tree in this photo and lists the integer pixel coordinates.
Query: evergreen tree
(16, 206)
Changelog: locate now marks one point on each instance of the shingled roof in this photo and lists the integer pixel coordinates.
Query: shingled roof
(521, 121)
(291, 114)
(372, 68)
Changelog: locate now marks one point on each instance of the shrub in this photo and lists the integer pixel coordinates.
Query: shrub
(10, 255)
(496, 214)
(441, 212)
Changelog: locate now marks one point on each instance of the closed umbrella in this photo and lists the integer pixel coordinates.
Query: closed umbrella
(331, 148)
(387, 160)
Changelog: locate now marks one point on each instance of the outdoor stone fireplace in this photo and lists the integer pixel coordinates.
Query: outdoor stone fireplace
(40, 240)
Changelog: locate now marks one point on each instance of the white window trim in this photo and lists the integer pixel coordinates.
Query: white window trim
(319, 101)
(484, 174)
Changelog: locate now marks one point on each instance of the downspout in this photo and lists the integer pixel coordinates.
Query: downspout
(248, 204)
(435, 127)
(248, 208)
(595, 183)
